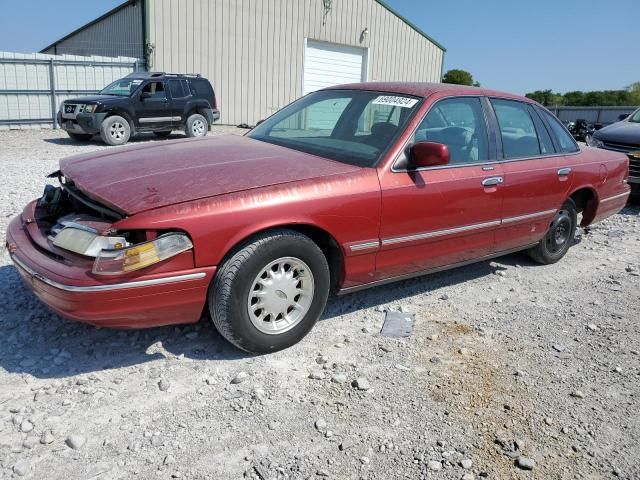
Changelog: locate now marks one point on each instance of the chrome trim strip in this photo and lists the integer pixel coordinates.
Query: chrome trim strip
(158, 119)
(528, 216)
(563, 172)
(105, 288)
(615, 197)
(364, 246)
(439, 233)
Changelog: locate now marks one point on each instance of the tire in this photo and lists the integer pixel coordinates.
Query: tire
(115, 130)
(162, 134)
(234, 297)
(197, 126)
(555, 244)
(80, 137)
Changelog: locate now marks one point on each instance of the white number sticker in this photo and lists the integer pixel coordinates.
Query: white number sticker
(394, 101)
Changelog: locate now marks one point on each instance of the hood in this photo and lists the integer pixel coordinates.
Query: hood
(155, 175)
(622, 132)
(94, 99)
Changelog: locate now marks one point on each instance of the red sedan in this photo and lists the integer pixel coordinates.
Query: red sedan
(344, 189)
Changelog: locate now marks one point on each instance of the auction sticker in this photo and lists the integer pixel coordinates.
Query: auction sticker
(395, 101)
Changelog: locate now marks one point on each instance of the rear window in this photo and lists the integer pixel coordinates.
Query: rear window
(200, 87)
(567, 144)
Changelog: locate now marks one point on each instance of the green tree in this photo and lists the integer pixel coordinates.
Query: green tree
(546, 97)
(459, 77)
(634, 93)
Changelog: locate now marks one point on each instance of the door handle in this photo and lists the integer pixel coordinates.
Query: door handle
(563, 172)
(492, 181)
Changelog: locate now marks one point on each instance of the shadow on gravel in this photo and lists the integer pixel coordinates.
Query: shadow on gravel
(35, 341)
(399, 292)
(38, 342)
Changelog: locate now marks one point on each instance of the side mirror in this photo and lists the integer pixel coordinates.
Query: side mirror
(145, 95)
(429, 154)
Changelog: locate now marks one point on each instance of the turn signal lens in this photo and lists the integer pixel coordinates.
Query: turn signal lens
(115, 262)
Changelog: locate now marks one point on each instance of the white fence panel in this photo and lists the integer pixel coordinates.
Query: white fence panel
(29, 98)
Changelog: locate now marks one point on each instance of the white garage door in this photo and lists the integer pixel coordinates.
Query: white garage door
(328, 64)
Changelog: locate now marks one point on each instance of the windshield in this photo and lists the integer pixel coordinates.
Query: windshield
(122, 88)
(350, 126)
(635, 117)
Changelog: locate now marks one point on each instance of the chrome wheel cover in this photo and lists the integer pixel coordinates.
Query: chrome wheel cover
(117, 131)
(198, 128)
(281, 295)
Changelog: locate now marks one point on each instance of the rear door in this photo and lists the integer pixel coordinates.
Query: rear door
(536, 178)
(180, 95)
(437, 216)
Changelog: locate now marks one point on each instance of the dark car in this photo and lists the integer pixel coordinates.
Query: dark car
(142, 102)
(623, 137)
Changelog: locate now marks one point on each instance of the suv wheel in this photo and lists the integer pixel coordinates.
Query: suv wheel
(270, 293)
(197, 126)
(559, 238)
(115, 130)
(79, 137)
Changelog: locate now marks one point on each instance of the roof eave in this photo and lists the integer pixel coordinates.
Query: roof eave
(412, 25)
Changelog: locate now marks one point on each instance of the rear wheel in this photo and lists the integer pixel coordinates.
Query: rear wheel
(80, 137)
(560, 236)
(163, 134)
(115, 130)
(269, 294)
(197, 126)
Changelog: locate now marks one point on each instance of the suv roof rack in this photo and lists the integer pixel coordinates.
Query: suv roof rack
(161, 74)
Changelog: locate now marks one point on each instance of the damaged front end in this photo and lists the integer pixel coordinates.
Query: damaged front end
(72, 222)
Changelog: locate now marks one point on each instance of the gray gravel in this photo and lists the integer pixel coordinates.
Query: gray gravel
(548, 378)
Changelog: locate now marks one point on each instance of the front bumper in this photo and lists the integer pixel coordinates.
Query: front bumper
(70, 290)
(84, 123)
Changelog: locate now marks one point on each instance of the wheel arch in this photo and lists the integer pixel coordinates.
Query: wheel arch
(321, 237)
(586, 199)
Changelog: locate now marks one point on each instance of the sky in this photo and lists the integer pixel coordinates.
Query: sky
(509, 45)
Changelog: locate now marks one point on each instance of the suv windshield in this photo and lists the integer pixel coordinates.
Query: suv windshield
(350, 126)
(122, 88)
(635, 117)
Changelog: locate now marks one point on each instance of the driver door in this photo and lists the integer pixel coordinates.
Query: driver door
(153, 107)
(439, 216)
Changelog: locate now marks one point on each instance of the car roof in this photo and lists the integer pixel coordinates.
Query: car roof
(423, 89)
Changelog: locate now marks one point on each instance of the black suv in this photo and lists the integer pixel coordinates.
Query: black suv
(142, 102)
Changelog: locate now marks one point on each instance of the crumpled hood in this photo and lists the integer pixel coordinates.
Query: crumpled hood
(620, 132)
(154, 175)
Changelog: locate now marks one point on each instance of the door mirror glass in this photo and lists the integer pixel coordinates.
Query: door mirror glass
(429, 154)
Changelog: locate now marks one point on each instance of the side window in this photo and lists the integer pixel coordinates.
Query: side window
(519, 136)
(459, 124)
(156, 89)
(546, 144)
(567, 144)
(176, 89)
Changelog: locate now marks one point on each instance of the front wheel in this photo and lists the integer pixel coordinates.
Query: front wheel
(560, 236)
(197, 126)
(115, 130)
(269, 294)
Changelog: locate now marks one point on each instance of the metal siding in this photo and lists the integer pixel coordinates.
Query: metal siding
(253, 50)
(118, 35)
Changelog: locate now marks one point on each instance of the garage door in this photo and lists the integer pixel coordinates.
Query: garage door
(328, 64)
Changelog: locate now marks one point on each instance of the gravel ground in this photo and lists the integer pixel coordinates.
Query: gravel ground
(513, 371)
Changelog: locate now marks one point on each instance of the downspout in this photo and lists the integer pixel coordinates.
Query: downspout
(442, 66)
(145, 34)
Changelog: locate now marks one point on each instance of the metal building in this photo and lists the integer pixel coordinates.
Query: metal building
(262, 54)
